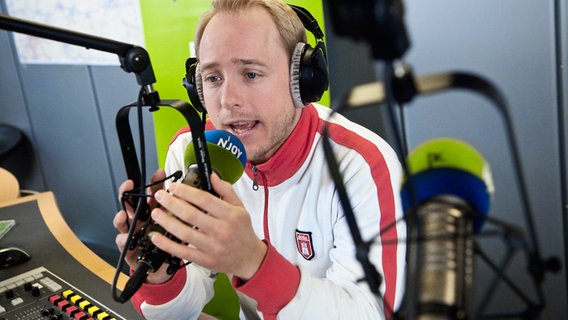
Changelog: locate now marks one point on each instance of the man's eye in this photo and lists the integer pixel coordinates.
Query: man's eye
(251, 75)
(212, 79)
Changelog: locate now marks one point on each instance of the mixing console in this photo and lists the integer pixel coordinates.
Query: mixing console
(40, 294)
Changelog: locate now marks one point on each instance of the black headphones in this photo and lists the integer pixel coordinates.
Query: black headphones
(308, 68)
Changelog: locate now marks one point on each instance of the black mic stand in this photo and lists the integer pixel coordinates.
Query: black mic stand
(376, 93)
(136, 60)
(380, 23)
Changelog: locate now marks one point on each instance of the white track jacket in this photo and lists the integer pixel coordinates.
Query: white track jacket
(310, 271)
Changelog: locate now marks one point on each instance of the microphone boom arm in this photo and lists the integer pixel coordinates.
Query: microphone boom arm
(132, 58)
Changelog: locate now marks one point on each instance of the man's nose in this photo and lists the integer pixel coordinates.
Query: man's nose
(231, 93)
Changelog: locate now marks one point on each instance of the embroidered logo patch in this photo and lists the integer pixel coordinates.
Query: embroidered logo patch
(304, 244)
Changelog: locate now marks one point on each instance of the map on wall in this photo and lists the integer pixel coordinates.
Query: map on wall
(118, 20)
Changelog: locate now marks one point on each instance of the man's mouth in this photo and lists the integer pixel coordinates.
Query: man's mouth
(243, 126)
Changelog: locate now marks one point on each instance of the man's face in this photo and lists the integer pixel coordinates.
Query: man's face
(246, 81)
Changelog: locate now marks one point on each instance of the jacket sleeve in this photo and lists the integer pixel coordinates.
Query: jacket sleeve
(182, 297)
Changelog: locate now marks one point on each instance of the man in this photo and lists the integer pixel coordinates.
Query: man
(279, 231)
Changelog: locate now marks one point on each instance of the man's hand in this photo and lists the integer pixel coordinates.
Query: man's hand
(219, 230)
(123, 219)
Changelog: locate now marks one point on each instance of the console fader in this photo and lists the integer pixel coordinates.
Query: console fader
(40, 294)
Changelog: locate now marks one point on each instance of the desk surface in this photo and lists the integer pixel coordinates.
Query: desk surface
(42, 232)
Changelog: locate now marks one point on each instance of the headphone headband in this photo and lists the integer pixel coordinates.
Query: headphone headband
(308, 20)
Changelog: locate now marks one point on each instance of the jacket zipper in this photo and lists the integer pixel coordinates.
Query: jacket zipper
(254, 178)
(255, 187)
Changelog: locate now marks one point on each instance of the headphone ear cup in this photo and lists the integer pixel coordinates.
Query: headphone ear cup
(295, 75)
(314, 77)
(309, 77)
(192, 84)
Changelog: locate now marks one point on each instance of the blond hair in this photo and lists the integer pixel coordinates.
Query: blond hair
(289, 26)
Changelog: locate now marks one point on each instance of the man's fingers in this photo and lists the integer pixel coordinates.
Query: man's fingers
(159, 175)
(120, 221)
(124, 187)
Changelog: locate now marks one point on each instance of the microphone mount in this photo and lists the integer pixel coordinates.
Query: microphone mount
(151, 258)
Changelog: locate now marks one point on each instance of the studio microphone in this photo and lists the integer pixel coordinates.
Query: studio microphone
(228, 159)
(227, 154)
(446, 197)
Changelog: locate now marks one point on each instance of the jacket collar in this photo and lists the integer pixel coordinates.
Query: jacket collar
(289, 158)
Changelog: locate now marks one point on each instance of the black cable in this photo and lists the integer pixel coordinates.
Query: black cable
(372, 277)
(141, 201)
